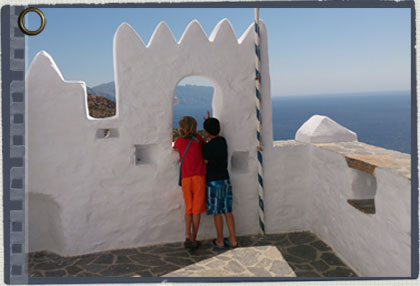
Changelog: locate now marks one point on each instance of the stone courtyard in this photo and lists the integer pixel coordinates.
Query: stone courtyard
(298, 254)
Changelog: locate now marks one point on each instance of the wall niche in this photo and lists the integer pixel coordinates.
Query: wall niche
(104, 133)
(239, 162)
(145, 154)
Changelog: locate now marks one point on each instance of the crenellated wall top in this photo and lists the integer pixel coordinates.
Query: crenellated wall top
(222, 33)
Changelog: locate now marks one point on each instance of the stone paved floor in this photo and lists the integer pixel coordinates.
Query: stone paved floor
(300, 254)
(253, 261)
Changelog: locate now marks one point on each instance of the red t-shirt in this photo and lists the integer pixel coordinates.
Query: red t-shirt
(193, 164)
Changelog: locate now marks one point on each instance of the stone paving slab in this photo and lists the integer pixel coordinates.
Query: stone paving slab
(300, 254)
(257, 261)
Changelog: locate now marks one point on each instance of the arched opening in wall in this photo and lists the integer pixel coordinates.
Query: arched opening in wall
(194, 96)
(101, 100)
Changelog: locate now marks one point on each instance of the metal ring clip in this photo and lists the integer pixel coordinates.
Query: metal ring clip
(22, 25)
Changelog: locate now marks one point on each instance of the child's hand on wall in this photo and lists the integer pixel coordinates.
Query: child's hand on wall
(208, 115)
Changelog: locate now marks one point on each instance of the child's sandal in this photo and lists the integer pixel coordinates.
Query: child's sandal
(188, 244)
(218, 246)
(227, 242)
(197, 244)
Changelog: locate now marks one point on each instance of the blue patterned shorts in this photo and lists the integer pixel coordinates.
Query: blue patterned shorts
(219, 197)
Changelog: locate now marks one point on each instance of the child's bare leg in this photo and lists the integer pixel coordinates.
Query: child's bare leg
(231, 226)
(195, 225)
(188, 226)
(218, 221)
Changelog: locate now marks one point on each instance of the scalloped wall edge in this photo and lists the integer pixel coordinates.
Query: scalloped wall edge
(194, 28)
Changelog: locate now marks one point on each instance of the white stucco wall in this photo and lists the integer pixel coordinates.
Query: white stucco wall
(88, 194)
(374, 245)
(101, 197)
(287, 178)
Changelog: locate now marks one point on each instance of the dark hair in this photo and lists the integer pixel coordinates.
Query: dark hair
(212, 126)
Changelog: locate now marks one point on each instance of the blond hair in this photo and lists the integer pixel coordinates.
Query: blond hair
(187, 126)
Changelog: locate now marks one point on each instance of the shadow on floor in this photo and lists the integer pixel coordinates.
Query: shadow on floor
(304, 252)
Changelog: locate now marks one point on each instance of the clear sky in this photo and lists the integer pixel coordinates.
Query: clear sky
(311, 50)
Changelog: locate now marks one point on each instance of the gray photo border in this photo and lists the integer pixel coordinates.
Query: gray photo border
(13, 126)
(13, 111)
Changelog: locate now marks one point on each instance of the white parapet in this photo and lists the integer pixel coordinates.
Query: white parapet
(322, 129)
(112, 183)
(374, 244)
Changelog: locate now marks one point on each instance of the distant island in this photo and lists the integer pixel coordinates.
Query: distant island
(101, 100)
(106, 90)
(100, 107)
(187, 94)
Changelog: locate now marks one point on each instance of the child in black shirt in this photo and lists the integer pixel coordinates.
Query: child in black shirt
(218, 189)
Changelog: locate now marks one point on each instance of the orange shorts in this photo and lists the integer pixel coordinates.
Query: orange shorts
(194, 189)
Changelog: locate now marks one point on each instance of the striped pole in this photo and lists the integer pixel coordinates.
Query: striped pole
(258, 107)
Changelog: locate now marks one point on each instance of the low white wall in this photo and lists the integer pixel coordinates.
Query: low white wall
(374, 245)
(287, 177)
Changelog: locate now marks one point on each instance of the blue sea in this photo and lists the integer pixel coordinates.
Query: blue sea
(380, 119)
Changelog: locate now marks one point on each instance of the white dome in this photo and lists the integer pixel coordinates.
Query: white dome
(322, 129)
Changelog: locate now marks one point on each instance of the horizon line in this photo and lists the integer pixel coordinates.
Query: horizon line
(344, 93)
(300, 94)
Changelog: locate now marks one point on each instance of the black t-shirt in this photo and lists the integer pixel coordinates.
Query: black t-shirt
(216, 153)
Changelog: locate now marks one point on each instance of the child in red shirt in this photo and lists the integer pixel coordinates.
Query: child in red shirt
(193, 179)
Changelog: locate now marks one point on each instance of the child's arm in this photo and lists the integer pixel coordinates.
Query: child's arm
(175, 145)
(208, 115)
(204, 152)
